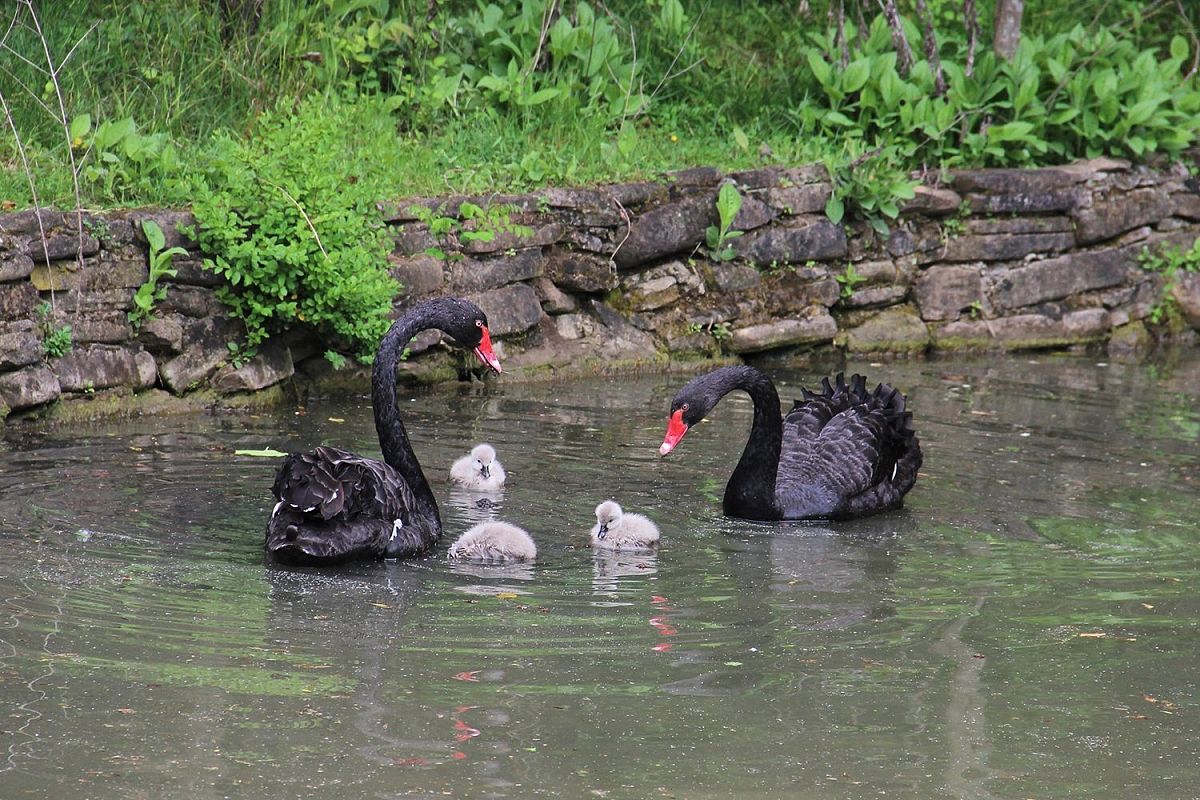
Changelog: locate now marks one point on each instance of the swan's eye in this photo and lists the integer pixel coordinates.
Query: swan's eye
(478, 323)
(683, 407)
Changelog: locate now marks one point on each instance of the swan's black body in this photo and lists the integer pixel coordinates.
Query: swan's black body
(335, 506)
(839, 453)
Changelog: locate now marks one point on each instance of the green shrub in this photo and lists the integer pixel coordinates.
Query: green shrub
(160, 260)
(287, 216)
(1078, 93)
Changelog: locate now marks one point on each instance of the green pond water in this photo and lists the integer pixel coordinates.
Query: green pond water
(1027, 627)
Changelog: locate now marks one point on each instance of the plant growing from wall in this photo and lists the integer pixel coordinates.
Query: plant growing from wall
(56, 340)
(161, 260)
(848, 280)
(1169, 261)
(288, 218)
(718, 237)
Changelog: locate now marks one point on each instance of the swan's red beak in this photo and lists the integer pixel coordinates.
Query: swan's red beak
(676, 428)
(484, 351)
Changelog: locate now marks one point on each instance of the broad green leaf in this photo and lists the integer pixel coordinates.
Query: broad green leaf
(835, 209)
(268, 453)
(81, 126)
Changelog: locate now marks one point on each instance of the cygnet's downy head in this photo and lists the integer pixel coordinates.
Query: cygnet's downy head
(608, 517)
(484, 455)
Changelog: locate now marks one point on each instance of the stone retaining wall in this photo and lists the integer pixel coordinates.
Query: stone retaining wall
(580, 279)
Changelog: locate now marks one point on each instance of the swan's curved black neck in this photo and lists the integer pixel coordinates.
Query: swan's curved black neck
(750, 493)
(393, 438)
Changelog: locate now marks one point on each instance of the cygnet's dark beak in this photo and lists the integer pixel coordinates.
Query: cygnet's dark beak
(603, 530)
(485, 470)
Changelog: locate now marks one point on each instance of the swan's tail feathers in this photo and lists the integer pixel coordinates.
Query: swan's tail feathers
(335, 506)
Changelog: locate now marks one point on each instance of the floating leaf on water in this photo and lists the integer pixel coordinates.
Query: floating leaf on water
(336, 419)
(733, 663)
(1093, 635)
(506, 595)
(268, 453)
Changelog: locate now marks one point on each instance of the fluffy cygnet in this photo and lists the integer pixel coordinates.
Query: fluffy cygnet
(494, 541)
(479, 470)
(617, 530)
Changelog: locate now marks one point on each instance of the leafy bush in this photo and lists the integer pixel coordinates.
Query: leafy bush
(1078, 93)
(580, 64)
(288, 217)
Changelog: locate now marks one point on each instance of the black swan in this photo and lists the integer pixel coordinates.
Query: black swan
(480, 470)
(617, 529)
(494, 542)
(840, 453)
(333, 505)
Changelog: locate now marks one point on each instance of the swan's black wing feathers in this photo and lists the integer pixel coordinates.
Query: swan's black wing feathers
(846, 451)
(336, 506)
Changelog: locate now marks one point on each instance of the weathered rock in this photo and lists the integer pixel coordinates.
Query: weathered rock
(20, 346)
(751, 179)
(31, 222)
(662, 285)
(540, 236)
(632, 195)
(1186, 205)
(945, 292)
(192, 272)
(272, 364)
(1067, 200)
(796, 289)
(666, 230)
(554, 300)
(803, 199)
(1059, 277)
(191, 301)
(1027, 331)
(99, 301)
(875, 296)
(97, 366)
(934, 201)
(580, 272)
(413, 239)
(693, 176)
(1187, 297)
(621, 338)
(820, 327)
(162, 333)
(27, 387)
(1129, 338)
(732, 276)
(17, 300)
(1034, 330)
(58, 277)
(418, 275)
(106, 327)
(1057, 223)
(1014, 181)
(510, 309)
(820, 240)
(477, 275)
(896, 330)
(15, 266)
(61, 246)
(754, 213)
(574, 326)
(1121, 213)
(171, 223)
(113, 274)
(1005, 246)
(206, 350)
(877, 272)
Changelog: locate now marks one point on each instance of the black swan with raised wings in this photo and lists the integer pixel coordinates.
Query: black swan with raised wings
(335, 506)
(840, 453)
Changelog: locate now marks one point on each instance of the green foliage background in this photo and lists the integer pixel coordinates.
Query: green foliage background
(283, 129)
